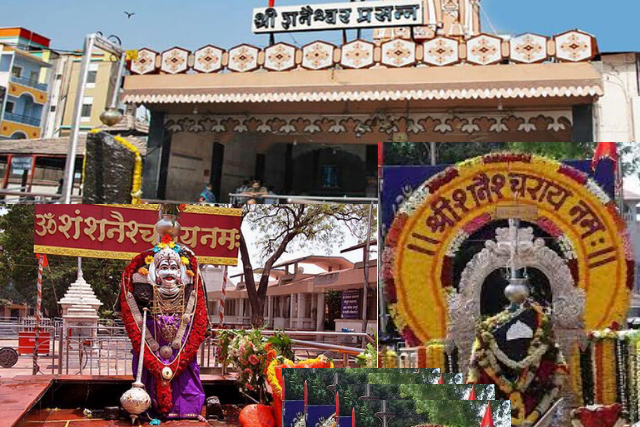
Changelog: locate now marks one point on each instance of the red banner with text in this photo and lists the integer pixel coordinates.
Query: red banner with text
(123, 231)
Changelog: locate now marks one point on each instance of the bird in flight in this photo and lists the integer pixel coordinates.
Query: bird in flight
(129, 14)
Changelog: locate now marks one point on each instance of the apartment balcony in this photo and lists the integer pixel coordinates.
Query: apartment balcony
(29, 83)
(25, 120)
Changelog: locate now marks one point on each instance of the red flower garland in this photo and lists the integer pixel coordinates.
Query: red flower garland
(196, 336)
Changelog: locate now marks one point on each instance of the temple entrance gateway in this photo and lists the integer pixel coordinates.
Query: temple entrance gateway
(286, 168)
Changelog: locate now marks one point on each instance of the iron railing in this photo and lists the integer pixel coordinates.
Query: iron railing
(19, 118)
(105, 349)
(29, 83)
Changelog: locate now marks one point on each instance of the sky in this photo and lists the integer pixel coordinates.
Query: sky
(162, 24)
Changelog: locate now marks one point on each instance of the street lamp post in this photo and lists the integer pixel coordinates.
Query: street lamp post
(92, 41)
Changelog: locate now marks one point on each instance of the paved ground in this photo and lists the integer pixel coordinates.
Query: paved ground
(75, 418)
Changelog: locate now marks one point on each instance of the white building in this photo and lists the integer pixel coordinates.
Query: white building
(632, 216)
(297, 299)
(617, 112)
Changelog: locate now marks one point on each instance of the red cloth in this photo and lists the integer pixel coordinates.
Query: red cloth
(605, 150)
(272, 3)
(441, 380)
(604, 416)
(487, 421)
(45, 260)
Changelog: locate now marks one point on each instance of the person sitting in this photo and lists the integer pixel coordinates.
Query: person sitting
(256, 191)
(207, 195)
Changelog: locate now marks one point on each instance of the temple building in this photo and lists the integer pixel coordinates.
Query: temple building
(297, 116)
(299, 299)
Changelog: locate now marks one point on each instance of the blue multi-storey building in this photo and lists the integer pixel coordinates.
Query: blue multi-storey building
(24, 74)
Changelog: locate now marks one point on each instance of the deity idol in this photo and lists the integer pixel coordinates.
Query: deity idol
(516, 351)
(166, 281)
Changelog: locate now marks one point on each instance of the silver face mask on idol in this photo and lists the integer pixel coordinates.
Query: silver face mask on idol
(168, 277)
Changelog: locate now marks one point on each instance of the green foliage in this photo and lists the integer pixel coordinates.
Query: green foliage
(556, 150)
(19, 267)
(418, 153)
(282, 344)
(369, 358)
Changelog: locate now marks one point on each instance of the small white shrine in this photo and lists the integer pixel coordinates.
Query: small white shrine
(80, 309)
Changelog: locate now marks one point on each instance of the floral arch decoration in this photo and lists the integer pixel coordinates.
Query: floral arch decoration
(442, 213)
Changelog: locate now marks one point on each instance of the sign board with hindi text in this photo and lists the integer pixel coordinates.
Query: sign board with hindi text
(123, 231)
(351, 304)
(338, 16)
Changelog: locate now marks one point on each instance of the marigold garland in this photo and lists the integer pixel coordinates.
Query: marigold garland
(604, 370)
(436, 357)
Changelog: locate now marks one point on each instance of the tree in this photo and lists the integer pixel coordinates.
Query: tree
(285, 227)
(418, 153)
(19, 267)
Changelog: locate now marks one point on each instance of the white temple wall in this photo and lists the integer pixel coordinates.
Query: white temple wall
(617, 113)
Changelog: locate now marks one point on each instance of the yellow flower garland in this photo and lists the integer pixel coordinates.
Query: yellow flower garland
(575, 372)
(605, 375)
(436, 358)
(389, 358)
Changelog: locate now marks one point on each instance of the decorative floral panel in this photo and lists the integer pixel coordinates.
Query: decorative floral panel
(574, 46)
(529, 48)
(175, 61)
(357, 54)
(280, 57)
(317, 55)
(484, 50)
(208, 59)
(441, 51)
(398, 53)
(145, 63)
(243, 58)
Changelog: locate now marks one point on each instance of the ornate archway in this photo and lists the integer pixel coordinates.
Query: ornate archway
(464, 305)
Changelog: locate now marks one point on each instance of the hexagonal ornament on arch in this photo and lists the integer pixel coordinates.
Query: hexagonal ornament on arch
(398, 53)
(528, 48)
(145, 62)
(208, 59)
(280, 57)
(243, 58)
(357, 54)
(575, 46)
(318, 55)
(484, 50)
(175, 61)
(441, 51)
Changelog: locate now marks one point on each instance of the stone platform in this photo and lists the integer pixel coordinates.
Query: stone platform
(59, 400)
